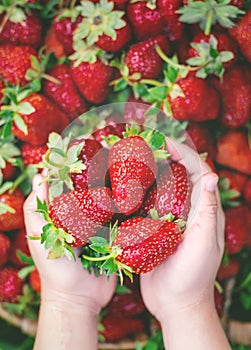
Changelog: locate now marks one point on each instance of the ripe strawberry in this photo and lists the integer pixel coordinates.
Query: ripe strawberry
(123, 37)
(28, 31)
(235, 90)
(10, 284)
(174, 27)
(142, 57)
(126, 305)
(247, 192)
(35, 281)
(173, 191)
(148, 202)
(132, 171)
(236, 179)
(5, 245)
(8, 171)
(241, 33)
(224, 43)
(202, 137)
(118, 328)
(65, 94)
(145, 21)
(145, 243)
(2, 86)
(200, 101)
(236, 228)
(229, 269)
(92, 80)
(111, 128)
(14, 63)
(32, 154)
(233, 151)
(95, 157)
(19, 243)
(82, 212)
(64, 27)
(248, 238)
(53, 44)
(12, 218)
(44, 118)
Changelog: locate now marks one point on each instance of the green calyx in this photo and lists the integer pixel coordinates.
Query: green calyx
(229, 196)
(85, 53)
(209, 12)
(61, 160)
(98, 19)
(55, 240)
(168, 217)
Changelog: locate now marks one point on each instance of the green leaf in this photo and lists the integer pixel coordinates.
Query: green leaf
(20, 123)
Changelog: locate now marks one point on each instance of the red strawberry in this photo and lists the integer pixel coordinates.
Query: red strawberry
(82, 212)
(123, 37)
(173, 191)
(8, 171)
(32, 154)
(145, 243)
(92, 80)
(142, 57)
(111, 128)
(248, 238)
(5, 245)
(35, 280)
(12, 218)
(127, 305)
(118, 328)
(233, 151)
(236, 228)
(2, 86)
(95, 157)
(10, 284)
(19, 243)
(200, 101)
(202, 137)
(132, 171)
(236, 180)
(64, 94)
(242, 34)
(247, 192)
(64, 28)
(174, 27)
(145, 21)
(235, 90)
(25, 32)
(224, 43)
(53, 44)
(229, 269)
(148, 202)
(44, 119)
(14, 63)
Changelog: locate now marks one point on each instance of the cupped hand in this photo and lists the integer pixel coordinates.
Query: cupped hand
(62, 277)
(187, 277)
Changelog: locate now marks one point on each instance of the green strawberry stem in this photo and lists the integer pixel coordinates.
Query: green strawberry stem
(7, 16)
(209, 22)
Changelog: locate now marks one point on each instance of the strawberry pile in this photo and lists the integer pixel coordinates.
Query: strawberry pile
(189, 61)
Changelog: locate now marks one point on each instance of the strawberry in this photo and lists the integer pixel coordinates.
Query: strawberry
(148, 202)
(132, 171)
(202, 137)
(236, 228)
(8, 171)
(5, 245)
(229, 269)
(35, 280)
(247, 192)
(23, 32)
(145, 20)
(127, 305)
(10, 284)
(224, 43)
(235, 91)
(32, 154)
(42, 118)
(199, 102)
(53, 44)
(173, 191)
(142, 57)
(14, 63)
(219, 301)
(82, 212)
(241, 33)
(118, 328)
(95, 158)
(248, 238)
(233, 151)
(11, 217)
(111, 128)
(174, 27)
(64, 94)
(19, 244)
(236, 180)
(92, 80)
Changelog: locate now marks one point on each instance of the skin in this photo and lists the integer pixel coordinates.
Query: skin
(179, 292)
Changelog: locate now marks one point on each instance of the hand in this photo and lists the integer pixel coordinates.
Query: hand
(187, 277)
(63, 278)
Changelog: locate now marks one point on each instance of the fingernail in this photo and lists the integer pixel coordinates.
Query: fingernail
(211, 183)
